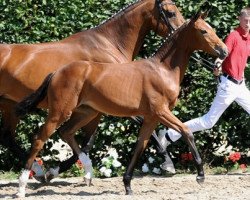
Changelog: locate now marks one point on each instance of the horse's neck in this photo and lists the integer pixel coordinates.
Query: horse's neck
(174, 56)
(127, 29)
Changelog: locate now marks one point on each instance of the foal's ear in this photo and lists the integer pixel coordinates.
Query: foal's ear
(205, 14)
(205, 6)
(197, 16)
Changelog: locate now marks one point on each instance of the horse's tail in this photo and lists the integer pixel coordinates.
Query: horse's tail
(30, 103)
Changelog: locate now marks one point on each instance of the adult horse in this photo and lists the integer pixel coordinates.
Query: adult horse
(118, 40)
(148, 88)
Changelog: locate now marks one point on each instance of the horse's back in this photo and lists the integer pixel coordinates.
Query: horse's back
(100, 84)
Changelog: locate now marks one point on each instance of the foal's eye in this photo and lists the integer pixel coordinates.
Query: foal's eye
(203, 32)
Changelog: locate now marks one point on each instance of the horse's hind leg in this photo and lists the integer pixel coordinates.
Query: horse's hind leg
(169, 120)
(67, 132)
(145, 132)
(8, 126)
(52, 122)
(87, 143)
(70, 127)
(90, 133)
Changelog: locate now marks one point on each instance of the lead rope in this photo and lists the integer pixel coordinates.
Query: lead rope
(209, 65)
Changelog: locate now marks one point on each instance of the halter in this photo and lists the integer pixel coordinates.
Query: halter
(164, 15)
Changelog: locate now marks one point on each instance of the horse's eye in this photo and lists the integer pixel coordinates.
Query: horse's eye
(203, 32)
(170, 14)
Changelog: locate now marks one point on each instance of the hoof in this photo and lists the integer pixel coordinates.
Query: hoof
(41, 179)
(19, 195)
(129, 192)
(51, 174)
(200, 179)
(48, 178)
(88, 181)
(169, 167)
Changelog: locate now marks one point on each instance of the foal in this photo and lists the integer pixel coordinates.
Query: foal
(148, 88)
(23, 67)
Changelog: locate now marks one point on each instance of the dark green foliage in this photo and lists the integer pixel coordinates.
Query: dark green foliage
(35, 21)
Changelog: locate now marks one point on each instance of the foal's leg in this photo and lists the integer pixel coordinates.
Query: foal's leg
(87, 143)
(79, 119)
(169, 120)
(90, 133)
(154, 137)
(146, 130)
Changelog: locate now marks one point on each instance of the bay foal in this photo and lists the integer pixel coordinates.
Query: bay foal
(148, 88)
(23, 67)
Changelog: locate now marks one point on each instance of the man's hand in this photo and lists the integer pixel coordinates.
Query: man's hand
(217, 67)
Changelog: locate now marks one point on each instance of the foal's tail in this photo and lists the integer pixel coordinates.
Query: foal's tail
(30, 103)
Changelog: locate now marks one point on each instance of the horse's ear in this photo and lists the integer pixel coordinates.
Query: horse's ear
(196, 16)
(205, 6)
(205, 14)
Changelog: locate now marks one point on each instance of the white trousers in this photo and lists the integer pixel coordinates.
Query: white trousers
(227, 93)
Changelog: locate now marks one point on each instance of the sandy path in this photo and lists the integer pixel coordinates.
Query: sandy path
(216, 187)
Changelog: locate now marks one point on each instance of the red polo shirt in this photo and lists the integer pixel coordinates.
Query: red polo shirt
(239, 50)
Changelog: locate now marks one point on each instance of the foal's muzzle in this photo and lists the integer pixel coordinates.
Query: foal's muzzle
(222, 52)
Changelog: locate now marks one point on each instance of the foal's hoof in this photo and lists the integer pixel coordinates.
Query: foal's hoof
(41, 179)
(88, 181)
(200, 179)
(49, 177)
(129, 192)
(19, 195)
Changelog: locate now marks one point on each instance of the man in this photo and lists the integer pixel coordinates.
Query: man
(231, 87)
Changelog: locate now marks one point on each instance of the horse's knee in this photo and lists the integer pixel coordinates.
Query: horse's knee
(190, 136)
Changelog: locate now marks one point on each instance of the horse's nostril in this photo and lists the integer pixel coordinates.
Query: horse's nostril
(222, 52)
(225, 51)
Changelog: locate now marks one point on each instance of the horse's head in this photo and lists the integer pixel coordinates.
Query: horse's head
(167, 17)
(205, 38)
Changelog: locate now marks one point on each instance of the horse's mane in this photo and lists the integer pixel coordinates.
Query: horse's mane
(122, 11)
(169, 40)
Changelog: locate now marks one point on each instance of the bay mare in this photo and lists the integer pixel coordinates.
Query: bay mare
(148, 88)
(118, 40)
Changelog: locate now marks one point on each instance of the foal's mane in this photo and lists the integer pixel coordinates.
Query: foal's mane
(168, 42)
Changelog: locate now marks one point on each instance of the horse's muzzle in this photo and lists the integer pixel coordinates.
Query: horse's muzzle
(222, 52)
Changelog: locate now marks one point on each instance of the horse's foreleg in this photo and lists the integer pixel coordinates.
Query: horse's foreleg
(154, 137)
(145, 132)
(169, 120)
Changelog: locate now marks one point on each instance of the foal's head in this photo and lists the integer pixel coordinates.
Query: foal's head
(205, 38)
(166, 17)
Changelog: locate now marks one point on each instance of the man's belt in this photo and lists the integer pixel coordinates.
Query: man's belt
(232, 79)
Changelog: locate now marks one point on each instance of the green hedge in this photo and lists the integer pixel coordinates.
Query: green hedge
(35, 21)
